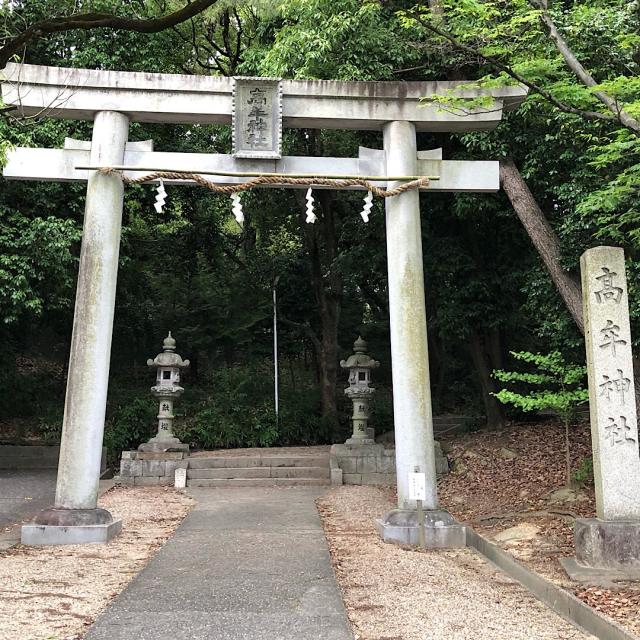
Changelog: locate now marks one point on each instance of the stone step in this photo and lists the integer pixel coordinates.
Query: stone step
(261, 472)
(243, 462)
(257, 482)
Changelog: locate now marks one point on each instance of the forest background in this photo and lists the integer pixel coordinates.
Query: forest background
(501, 270)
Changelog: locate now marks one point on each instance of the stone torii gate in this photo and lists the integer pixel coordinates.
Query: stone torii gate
(257, 109)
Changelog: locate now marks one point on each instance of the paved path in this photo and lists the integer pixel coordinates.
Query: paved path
(24, 493)
(246, 563)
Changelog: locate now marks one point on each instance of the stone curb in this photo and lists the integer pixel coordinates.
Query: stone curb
(565, 604)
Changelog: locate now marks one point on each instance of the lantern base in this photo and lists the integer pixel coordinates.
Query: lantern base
(360, 440)
(160, 445)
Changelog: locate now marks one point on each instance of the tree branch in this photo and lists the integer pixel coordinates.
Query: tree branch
(587, 115)
(87, 21)
(580, 72)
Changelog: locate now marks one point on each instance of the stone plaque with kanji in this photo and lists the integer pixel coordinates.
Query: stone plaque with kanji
(614, 430)
(257, 118)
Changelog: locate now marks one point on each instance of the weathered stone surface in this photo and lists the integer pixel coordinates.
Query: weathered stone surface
(607, 544)
(153, 468)
(367, 464)
(387, 464)
(170, 467)
(306, 103)
(161, 455)
(442, 463)
(523, 531)
(336, 476)
(348, 465)
(375, 462)
(88, 373)
(612, 404)
(130, 468)
(378, 478)
(72, 517)
(163, 446)
(400, 526)
(35, 534)
(128, 455)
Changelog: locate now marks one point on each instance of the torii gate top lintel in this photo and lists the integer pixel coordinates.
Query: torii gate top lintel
(158, 97)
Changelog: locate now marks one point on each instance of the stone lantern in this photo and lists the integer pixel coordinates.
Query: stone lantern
(167, 389)
(359, 365)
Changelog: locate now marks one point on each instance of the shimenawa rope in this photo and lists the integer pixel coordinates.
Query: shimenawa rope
(273, 180)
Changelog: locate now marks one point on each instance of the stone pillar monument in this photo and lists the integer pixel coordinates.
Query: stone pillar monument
(609, 545)
(409, 356)
(359, 365)
(75, 518)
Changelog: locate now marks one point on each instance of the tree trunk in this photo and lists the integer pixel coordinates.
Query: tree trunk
(543, 237)
(321, 241)
(495, 412)
(547, 244)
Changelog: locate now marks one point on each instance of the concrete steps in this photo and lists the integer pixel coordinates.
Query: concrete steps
(220, 462)
(258, 471)
(257, 482)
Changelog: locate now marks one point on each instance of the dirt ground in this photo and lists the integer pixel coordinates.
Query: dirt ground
(516, 478)
(55, 593)
(392, 593)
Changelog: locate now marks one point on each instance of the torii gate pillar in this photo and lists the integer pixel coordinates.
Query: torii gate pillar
(75, 518)
(412, 417)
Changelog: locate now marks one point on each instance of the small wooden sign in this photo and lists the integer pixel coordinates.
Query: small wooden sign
(257, 118)
(417, 486)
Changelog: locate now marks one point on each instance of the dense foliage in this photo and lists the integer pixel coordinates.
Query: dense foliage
(194, 270)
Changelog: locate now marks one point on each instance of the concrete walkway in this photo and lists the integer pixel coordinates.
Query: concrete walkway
(246, 563)
(24, 493)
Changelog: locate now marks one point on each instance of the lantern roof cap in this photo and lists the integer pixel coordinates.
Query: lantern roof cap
(169, 343)
(360, 345)
(359, 359)
(168, 357)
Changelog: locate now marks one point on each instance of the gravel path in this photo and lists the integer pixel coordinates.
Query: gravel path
(54, 593)
(396, 594)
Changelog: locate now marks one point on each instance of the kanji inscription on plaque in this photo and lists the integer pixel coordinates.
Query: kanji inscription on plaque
(257, 118)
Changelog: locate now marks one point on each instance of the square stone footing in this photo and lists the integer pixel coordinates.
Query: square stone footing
(604, 577)
(44, 534)
(441, 531)
(605, 548)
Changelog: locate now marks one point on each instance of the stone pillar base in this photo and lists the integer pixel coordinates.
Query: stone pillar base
(441, 531)
(43, 534)
(605, 549)
(356, 440)
(70, 526)
(159, 445)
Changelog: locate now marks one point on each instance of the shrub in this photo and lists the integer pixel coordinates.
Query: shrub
(130, 424)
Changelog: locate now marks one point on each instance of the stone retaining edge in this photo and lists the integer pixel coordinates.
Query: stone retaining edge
(565, 604)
